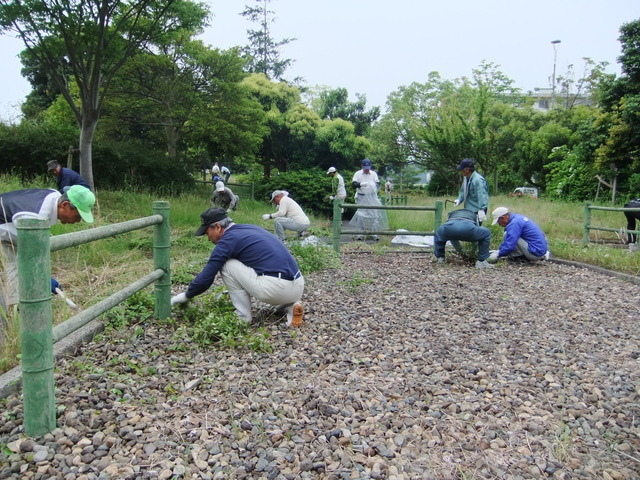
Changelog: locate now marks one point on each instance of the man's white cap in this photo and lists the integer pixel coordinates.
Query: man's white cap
(279, 192)
(219, 187)
(498, 212)
(331, 170)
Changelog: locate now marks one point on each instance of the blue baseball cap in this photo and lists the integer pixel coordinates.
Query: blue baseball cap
(466, 163)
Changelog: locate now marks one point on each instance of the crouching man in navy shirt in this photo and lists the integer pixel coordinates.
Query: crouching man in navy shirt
(252, 263)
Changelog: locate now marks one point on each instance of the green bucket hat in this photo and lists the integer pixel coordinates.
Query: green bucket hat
(83, 199)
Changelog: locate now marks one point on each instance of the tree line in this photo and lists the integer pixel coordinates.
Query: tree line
(144, 102)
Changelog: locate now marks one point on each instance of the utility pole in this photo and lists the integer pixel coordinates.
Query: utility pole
(555, 44)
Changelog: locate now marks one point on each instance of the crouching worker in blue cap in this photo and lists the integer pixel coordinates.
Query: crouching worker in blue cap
(252, 263)
(463, 225)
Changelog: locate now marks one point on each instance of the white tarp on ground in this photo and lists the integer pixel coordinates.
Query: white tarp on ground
(313, 240)
(413, 240)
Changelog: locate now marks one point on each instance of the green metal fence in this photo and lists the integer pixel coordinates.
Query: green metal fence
(395, 200)
(337, 220)
(36, 323)
(587, 220)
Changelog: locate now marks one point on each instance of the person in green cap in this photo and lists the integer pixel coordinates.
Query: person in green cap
(46, 204)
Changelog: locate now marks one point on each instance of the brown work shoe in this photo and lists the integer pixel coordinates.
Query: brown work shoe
(294, 315)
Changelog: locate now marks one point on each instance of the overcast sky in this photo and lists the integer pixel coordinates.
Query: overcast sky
(375, 46)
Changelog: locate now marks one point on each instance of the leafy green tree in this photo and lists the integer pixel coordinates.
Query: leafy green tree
(297, 138)
(620, 99)
(263, 50)
(86, 44)
(438, 123)
(337, 145)
(186, 96)
(569, 178)
(290, 124)
(334, 103)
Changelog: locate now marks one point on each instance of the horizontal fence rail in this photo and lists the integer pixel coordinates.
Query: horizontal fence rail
(243, 190)
(338, 207)
(587, 221)
(37, 334)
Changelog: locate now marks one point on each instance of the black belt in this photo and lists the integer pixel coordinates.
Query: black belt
(283, 276)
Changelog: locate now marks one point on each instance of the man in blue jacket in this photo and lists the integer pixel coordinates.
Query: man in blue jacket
(252, 263)
(474, 192)
(522, 237)
(65, 176)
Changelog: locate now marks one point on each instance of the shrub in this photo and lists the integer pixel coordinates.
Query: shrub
(310, 188)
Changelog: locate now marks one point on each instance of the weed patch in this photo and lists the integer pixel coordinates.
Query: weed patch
(211, 320)
(311, 258)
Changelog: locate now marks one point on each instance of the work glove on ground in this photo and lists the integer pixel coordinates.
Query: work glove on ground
(266, 216)
(54, 285)
(493, 256)
(180, 298)
(482, 216)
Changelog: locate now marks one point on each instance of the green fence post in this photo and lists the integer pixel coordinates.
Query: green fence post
(36, 326)
(162, 260)
(337, 224)
(587, 222)
(438, 217)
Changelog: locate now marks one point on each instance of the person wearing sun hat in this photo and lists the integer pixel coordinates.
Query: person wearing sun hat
(338, 189)
(288, 216)
(47, 204)
(522, 237)
(223, 197)
(252, 263)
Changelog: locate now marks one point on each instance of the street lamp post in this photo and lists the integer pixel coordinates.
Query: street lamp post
(555, 44)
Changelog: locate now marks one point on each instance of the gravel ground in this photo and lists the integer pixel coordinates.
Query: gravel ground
(403, 369)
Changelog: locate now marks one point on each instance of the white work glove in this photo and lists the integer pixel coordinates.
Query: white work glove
(364, 184)
(266, 216)
(482, 216)
(180, 298)
(228, 210)
(331, 197)
(493, 256)
(456, 202)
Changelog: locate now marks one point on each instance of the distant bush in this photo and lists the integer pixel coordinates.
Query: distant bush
(26, 148)
(310, 188)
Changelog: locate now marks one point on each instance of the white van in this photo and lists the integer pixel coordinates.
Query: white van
(525, 192)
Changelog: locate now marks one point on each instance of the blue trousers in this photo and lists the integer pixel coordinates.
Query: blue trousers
(461, 229)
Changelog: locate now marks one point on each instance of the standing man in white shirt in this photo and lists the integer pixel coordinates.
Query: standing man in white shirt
(288, 216)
